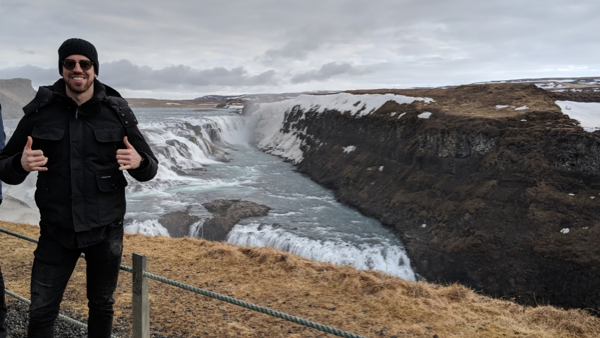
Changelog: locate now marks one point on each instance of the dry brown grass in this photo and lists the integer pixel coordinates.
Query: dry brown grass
(362, 302)
(480, 100)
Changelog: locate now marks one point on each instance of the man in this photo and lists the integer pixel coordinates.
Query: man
(3, 328)
(80, 136)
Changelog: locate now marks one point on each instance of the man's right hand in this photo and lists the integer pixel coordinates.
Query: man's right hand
(33, 160)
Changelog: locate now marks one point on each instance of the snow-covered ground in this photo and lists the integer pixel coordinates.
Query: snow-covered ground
(587, 113)
(13, 210)
(269, 118)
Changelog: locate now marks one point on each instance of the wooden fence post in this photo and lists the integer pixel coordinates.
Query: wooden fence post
(140, 306)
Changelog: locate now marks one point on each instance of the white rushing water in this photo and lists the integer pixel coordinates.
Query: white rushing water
(204, 155)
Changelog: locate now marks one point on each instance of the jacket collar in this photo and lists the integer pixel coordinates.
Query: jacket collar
(90, 107)
(57, 91)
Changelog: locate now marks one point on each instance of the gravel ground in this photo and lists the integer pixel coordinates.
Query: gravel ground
(17, 320)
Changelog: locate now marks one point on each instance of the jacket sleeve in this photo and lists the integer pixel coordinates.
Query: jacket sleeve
(149, 166)
(11, 171)
(147, 170)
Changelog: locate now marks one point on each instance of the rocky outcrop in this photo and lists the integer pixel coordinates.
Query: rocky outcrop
(590, 95)
(227, 213)
(14, 95)
(491, 185)
(178, 223)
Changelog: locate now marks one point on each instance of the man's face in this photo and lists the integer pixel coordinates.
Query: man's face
(78, 80)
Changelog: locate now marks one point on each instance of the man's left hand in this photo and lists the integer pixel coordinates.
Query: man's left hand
(128, 158)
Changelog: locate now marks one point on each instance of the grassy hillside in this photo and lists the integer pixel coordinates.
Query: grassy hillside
(363, 302)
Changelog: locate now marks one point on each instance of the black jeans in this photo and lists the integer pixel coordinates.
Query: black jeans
(3, 329)
(52, 268)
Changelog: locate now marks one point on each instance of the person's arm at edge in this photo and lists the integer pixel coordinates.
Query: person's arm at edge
(2, 144)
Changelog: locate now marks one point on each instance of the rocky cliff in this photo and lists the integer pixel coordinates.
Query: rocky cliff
(14, 95)
(488, 185)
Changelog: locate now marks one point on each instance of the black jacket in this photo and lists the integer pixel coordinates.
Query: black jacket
(83, 187)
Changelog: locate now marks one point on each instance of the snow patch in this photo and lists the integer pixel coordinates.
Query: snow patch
(565, 230)
(349, 149)
(522, 108)
(424, 115)
(587, 113)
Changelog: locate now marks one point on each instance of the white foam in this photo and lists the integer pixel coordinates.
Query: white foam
(149, 227)
(191, 143)
(197, 229)
(391, 259)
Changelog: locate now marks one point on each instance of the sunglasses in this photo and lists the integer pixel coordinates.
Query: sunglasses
(70, 64)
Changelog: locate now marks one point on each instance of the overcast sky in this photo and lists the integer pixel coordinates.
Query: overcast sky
(185, 49)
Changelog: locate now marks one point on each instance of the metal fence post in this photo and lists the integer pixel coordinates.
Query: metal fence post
(140, 306)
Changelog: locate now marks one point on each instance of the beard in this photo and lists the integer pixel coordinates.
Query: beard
(80, 88)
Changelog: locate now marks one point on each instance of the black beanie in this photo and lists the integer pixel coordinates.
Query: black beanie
(77, 46)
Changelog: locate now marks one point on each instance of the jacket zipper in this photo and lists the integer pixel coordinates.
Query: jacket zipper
(76, 112)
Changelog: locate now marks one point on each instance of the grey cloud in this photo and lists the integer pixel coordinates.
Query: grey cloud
(39, 76)
(428, 42)
(123, 73)
(333, 69)
(126, 75)
(302, 42)
(318, 34)
(295, 50)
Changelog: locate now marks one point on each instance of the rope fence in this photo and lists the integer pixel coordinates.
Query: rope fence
(140, 302)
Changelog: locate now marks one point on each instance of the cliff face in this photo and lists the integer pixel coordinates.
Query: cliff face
(491, 186)
(14, 95)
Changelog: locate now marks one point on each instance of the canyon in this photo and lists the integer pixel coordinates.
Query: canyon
(488, 185)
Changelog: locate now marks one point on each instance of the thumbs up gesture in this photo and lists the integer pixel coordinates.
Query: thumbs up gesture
(128, 157)
(33, 160)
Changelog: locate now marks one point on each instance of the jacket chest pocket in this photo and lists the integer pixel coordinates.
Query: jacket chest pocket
(47, 133)
(108, 141)
(47, 138)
